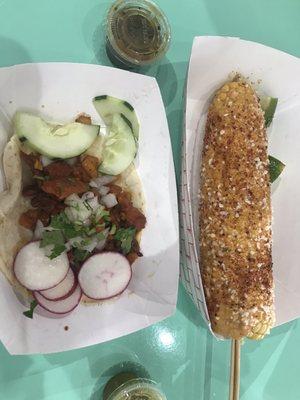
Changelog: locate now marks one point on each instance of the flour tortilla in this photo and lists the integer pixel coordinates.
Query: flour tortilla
(12, 205)
(130, 182)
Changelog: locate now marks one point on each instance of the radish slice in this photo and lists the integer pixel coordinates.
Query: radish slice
(36, 271)
(60, 306)
(104, 275)
(64, 289)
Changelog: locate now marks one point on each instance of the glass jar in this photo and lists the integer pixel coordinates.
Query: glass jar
(137, 389)
(137, 33)
(130, 385)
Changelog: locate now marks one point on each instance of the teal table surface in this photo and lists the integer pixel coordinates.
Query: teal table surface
(179, 352)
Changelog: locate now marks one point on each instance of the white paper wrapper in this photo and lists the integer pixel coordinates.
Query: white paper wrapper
(274, 73)
(60, 91)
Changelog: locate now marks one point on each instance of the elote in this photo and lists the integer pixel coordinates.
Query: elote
(235, 215)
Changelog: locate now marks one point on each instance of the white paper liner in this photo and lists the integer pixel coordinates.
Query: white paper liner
(213, 61)
(60, 91)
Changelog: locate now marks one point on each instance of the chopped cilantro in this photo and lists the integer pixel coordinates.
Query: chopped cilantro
(100, 236)
(29, 313)
(62, 222)
(113, 229)
(57, 250)
(100, 227)
(76, 244)
(70, 232)
(51, 237)
(85, 242)
(125, 236)
(63, 230)
(55, 239)
(76, 207)
(101, 213)
(91, 231)
(106, 217)
(79, 256)
(59, 221)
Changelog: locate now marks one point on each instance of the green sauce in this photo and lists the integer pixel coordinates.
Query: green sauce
(137, 33)
(116, 381)
(126, 386)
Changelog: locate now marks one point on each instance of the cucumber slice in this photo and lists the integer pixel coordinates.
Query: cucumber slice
(107, 106)
(268, 104)
(275, 168)
(96, 148)
(58, 141)
(119, 147)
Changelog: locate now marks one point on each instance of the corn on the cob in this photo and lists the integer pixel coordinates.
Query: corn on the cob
(235, 215)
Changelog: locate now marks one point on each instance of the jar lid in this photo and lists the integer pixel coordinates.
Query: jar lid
(137, 31)
(138, 389)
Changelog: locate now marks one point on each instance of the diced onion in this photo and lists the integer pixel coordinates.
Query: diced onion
(91, 246)
(94, 203)
(73, 242)
(99, 212)
(87, 196)
(109, 200)
(103, 190)
(77, 210)
(100, 246)
(39, 228)
(46, 161)
(93, 184)
(72, 200)
(86, 222)
(91, 199)
(71, 161)
(102, 180)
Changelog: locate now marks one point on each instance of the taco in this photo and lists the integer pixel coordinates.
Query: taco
(72, 198)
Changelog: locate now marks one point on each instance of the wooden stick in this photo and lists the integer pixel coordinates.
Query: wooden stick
(234, 389)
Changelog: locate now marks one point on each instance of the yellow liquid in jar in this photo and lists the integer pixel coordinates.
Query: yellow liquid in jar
(137, 35)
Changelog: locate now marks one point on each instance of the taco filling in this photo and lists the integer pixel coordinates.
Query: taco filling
(75, 209)
(78, 227)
